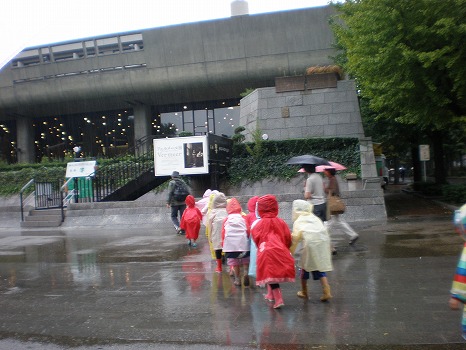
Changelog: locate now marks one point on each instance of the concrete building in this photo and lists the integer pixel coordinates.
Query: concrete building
(104, 93)
(79, 89)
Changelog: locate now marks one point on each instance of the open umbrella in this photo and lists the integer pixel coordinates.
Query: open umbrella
(321, 168)
(307, 159)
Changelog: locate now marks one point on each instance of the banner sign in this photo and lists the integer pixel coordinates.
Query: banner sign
(220, 148)
(187, 155)
(80, 169)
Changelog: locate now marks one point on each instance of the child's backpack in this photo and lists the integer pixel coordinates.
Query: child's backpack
(180, 191)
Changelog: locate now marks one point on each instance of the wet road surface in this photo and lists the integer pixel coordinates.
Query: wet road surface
(142, 289)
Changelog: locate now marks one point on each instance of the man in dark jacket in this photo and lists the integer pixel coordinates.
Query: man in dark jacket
(177, 207)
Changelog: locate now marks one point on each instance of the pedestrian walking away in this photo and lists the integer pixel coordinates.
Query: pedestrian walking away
(337, 225)
(235, 237)
(314, 191)
(191, 221)
(177, 192)
(458, 288)
(311, 235)
(202, 204)
(217, 214)
(251, 218)
(272, 236)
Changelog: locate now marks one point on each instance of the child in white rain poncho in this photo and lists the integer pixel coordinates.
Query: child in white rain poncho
(310, 232)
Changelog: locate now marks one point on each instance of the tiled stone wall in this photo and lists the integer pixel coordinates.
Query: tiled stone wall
(330, 112)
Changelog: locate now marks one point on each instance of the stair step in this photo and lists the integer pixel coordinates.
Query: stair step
(55, 223)
(44, 212)
(43, 218)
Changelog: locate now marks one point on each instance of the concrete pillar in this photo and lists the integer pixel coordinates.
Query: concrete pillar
(369, 174)
(142, 121)
(25, 140)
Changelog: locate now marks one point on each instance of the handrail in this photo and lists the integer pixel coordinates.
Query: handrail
(113, 176)
(21, 197)
(62, 189)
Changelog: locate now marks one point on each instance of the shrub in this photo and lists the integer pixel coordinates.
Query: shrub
(454, 193)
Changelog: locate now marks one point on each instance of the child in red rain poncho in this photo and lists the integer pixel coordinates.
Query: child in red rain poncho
(272, 236)
(191, 221)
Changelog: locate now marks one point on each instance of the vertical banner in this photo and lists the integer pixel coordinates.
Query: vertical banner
(187, 155)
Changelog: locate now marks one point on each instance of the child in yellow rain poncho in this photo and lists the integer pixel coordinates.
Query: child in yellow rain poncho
(205, 211)
(310, 232)
(217, 213)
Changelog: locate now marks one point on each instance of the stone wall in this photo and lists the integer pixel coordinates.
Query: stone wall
(329, 112)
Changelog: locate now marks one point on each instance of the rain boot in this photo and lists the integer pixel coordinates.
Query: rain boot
(269, 295)
(303, 292)
(219, 266)
(277, 295)
(326, 290)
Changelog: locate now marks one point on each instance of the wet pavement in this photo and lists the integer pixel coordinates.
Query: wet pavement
(146, 289)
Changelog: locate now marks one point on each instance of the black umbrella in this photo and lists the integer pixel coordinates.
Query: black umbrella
(307, 159)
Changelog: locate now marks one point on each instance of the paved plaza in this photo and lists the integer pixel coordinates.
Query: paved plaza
(146, 289)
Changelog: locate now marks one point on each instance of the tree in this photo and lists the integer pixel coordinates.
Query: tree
(408, 59)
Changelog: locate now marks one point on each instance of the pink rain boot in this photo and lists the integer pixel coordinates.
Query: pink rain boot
(269, 295)
(277, 294)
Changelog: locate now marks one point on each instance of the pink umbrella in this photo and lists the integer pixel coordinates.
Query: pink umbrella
(321, 168)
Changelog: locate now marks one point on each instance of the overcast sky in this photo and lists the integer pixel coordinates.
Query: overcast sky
(36, 22)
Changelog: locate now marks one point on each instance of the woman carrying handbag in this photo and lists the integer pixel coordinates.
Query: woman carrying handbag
(336, 225)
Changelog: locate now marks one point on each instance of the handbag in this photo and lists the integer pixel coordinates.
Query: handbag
(335, 205)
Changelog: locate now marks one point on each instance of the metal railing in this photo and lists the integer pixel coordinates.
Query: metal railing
(128, 167)
(45, 195)
(25, 187)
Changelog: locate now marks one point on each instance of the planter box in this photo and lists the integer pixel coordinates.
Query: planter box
(321, 81)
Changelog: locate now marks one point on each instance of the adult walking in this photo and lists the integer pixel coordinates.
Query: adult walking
(314, 191)
(175, 200)
(336, 224)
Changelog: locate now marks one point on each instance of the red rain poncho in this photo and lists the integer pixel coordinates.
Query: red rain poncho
(275, 264)
(191, 219)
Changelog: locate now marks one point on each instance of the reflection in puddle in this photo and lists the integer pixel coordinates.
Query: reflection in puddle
(416, 243)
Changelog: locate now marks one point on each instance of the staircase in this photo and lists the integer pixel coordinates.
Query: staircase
(42, 218)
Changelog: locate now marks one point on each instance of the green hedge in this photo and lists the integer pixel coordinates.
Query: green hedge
(253, 161)
(12, 181)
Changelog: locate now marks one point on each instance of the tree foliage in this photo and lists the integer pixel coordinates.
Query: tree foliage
(408, 59)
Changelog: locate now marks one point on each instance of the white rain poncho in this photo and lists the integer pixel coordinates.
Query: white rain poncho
(312, 235)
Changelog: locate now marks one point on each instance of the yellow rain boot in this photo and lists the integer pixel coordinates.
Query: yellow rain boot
(303, 292)
(326, 290)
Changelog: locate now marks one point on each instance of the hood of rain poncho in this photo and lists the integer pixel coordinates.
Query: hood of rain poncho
(301, 207)
(190, 201)
(252, 204)
(207, 193)
(267, 206)
(233, 206)
(219, 200)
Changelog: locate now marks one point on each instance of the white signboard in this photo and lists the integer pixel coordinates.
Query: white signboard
(424, 153)
(80, 169)
(187, 155)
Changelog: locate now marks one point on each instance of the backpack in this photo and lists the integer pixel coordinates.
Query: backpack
(180, 191)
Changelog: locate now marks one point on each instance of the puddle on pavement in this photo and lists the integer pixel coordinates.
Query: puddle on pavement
(416, 244)
(40, 248)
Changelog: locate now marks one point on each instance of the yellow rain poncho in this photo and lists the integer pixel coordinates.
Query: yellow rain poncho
(310, 232)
